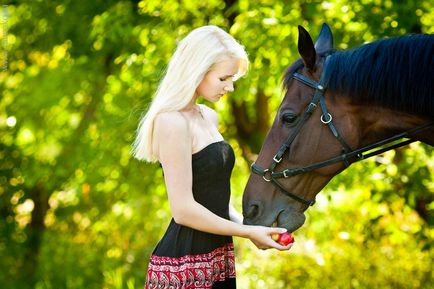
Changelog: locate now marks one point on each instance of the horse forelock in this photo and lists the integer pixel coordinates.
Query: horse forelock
(397, 73)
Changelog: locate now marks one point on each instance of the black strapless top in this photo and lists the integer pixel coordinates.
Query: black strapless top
(212, 168)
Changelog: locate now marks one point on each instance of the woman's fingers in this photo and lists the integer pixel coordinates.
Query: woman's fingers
(278, 231)
(283, 248)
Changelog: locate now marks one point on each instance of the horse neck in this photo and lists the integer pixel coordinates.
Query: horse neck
(376, 123)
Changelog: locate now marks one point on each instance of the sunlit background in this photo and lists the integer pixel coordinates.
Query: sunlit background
(78, 212)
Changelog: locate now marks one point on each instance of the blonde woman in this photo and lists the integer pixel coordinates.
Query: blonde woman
(196, 250)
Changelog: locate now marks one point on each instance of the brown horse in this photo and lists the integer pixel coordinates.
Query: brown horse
(339, 107)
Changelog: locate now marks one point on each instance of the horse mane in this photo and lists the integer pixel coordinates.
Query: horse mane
(397, 73)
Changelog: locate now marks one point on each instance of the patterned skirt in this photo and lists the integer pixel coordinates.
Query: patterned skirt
(210, 270)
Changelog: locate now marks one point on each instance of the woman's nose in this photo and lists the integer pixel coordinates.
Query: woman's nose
(229, 87)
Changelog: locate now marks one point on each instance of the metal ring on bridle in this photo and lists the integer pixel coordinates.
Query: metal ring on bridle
(326, 121)
(263, 176)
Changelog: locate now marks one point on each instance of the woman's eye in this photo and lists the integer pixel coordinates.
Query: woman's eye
(289, 117)
(226, 78)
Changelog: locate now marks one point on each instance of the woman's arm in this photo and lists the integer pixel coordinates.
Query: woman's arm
(173, 143)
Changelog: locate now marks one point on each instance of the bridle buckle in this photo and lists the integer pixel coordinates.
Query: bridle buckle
(277, 160)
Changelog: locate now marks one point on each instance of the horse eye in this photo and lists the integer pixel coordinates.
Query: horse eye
(289, 117)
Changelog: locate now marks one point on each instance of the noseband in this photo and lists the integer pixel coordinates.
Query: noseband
(348, 156)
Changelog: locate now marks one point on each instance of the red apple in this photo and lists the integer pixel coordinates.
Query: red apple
(275, 236)
(285, 239)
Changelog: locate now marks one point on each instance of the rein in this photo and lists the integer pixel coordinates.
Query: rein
(348, 156)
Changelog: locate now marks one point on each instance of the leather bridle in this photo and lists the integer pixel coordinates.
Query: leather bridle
(348, 156)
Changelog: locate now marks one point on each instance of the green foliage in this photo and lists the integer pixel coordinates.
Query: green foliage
(78, 212)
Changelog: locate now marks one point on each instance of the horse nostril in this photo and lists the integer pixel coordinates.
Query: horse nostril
(253, 210)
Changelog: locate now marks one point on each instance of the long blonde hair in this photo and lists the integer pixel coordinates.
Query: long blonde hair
(192, 59)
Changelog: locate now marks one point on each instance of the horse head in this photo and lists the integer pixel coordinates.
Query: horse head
(317, 131)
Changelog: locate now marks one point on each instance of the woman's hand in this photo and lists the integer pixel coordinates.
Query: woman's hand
(261, 237)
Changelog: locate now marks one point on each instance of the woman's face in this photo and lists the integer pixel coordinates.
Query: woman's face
(219, 80)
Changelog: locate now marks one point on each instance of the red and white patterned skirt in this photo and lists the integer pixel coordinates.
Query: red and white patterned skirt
(211, 270)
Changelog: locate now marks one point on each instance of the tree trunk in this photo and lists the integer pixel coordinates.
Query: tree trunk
(40, 193)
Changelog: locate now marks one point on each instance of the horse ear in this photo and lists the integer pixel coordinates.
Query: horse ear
(306, 48)
(325, 40)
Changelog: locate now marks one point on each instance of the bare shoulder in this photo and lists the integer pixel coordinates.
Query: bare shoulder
(171, 121)
(210, 114)
(170, 126)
